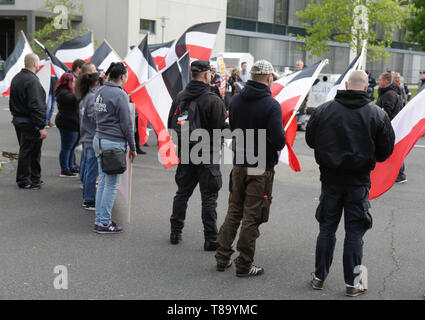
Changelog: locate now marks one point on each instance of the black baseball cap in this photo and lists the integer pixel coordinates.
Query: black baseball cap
(200, 66)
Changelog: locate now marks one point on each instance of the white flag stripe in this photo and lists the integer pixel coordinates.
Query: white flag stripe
(294, 89)
(284, 156)
(69, 55)
(138, 64)
(160, 97)
(201, 39)
(44, 75)
(161, 52)
(409, 116)
(15, 69)
(112, 57)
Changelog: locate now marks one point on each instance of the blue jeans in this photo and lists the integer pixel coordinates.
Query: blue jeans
(108, 183)
(69, 141)
(89, 173)
(83, 164)
(50, 107)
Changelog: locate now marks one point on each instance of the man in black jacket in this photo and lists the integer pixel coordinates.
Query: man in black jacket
(28, 107)
(251, 111)
(391, 101)
(348, 135)
(212, 115)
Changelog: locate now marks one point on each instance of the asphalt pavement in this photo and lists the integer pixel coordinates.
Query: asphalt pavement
(40, 230)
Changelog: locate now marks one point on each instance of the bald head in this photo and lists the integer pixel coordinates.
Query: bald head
(358, 81)
(32, 62)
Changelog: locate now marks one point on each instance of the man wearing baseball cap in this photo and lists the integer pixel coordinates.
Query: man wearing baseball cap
(253, 109)
(197, 99)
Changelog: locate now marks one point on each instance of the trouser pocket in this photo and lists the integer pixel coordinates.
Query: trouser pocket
(367, 218)
(319, 210)
(215, 181)
(267, 198)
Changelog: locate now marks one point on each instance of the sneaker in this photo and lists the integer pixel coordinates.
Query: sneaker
(210, 246)
(316, 283)
(111, 229)
(223, 267)
(175, 238)
(50, 125)
(30, 187)
(253, 272)
(355, 291)
(90, 206)
(75, 170)
(67, 174)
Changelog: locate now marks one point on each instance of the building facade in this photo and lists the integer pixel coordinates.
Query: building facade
(265, 28)
(122, 22)
(268, 29)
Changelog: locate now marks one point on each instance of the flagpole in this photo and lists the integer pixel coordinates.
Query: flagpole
(157, 75)
(130, 172)
(113, 50)
(302, 98)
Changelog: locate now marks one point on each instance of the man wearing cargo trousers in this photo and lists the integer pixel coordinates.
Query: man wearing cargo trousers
(253, 110)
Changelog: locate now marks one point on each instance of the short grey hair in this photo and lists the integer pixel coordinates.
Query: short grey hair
(358, 80)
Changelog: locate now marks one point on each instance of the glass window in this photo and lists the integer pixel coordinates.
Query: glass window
(281, 12)
(247, 9)
(147, 26)
(7, 1)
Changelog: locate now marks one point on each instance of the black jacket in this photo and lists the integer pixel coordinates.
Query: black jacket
(27, 101)
(211, 107)
(389, 99)
(254, 108)
(349, 135)
(68, 110)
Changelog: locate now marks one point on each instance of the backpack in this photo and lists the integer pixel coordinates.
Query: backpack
(186, 119)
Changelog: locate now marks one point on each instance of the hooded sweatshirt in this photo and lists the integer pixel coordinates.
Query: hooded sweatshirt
(349, 135)
(254, 108)
(389, 99)
(113, 120)
(88, 119)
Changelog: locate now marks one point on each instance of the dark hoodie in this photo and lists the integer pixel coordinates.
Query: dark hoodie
(212, 110)
(389, 99)
(349, 135)
(254, 108)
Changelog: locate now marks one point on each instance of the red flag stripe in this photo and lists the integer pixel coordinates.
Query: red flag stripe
(200, 53)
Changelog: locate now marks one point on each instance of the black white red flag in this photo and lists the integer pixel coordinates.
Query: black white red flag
(78, 48)
(104, 56)
(159, 52)
(59, 68)
(199, 40)
(290, 92)
(141, 66)
(14, 64)
(154, 100)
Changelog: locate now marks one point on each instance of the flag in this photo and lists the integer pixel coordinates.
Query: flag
(154, 100)
(409, 127)
(79, 48)
(340, 83)
(290, 92)
(198, 40)
(141, 66)
(14, 64)
(159, 53)
(104, 56)
(44, 74)
(59, 68)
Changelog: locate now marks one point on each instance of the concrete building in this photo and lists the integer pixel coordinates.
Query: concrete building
(265, 28)
(122, 22)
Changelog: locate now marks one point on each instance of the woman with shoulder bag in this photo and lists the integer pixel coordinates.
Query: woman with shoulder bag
(114, 130)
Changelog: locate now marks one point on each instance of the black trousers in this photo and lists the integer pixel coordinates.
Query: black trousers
(210, 182)
(29, 169)
(354, 201)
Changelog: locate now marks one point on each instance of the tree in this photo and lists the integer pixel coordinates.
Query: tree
(416, 24)
(52, 36)
(334, 20)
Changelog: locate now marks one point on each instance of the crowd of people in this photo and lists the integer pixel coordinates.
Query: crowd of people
(94, 110)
